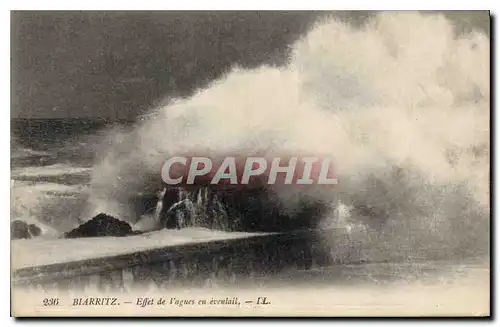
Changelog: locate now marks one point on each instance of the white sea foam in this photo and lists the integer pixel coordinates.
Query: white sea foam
(401, 105)
(52, 170)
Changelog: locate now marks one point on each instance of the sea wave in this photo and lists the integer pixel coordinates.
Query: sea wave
(400, 105)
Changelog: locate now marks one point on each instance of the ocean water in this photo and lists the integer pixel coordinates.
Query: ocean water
(51, 162)
(400, 104)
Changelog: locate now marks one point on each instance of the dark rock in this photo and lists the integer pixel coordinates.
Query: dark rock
(34, 230)
(101, 225)
(20, 229)
(252, 209)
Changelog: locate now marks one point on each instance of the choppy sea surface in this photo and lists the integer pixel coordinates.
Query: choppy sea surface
(51, 162)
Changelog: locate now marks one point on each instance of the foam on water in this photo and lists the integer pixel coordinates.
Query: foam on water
(52, 170)
(53, 207)
(400, 104)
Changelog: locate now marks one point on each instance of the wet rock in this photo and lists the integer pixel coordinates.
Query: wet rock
(20, 229)
(254, 209)
(101, 225)
(34, 230)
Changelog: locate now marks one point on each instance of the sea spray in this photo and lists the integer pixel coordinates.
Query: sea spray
(400, 105)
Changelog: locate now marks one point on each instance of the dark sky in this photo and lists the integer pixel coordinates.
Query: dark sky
(115, 65)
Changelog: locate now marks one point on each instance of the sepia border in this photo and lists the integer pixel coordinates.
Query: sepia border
(97, 5)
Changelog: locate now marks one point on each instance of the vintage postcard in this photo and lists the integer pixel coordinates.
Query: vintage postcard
(250, 163)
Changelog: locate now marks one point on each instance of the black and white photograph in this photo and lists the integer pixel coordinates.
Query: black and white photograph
(170, 163)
